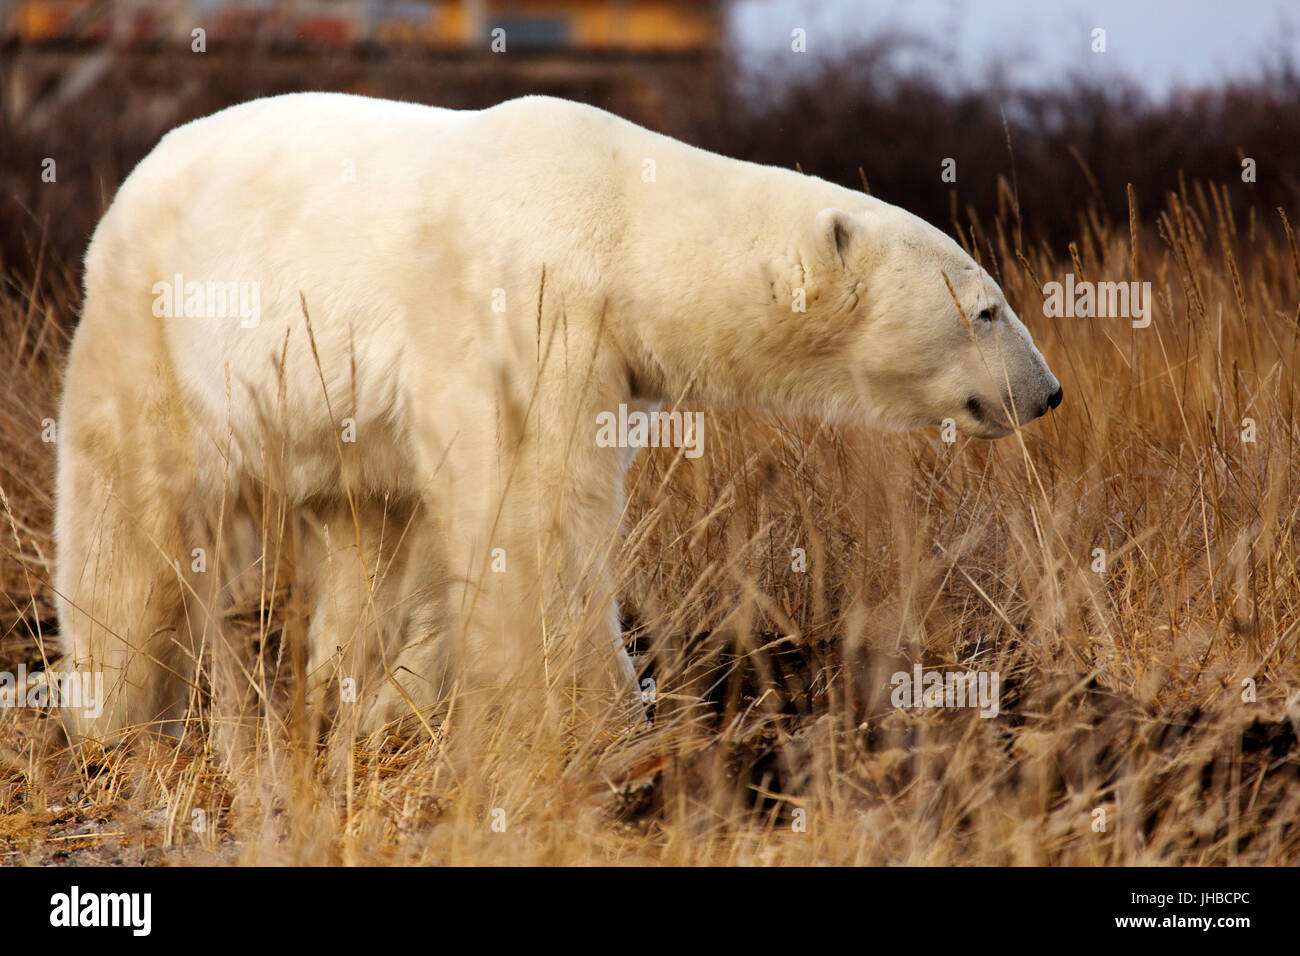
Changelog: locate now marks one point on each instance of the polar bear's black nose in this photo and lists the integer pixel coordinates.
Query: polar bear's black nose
(1056, 398)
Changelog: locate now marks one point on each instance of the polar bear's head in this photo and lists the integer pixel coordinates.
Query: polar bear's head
(926, 331)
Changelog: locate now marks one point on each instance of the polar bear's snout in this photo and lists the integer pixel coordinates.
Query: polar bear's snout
(1051, 396)
(994, 416)
(1050, 390)
(1010, 385)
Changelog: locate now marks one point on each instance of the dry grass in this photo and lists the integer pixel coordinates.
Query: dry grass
(1122, 691)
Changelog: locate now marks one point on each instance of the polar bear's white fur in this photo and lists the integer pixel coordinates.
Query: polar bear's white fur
(437, 306)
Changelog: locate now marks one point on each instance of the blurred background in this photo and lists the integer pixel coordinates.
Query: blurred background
(1044, 127)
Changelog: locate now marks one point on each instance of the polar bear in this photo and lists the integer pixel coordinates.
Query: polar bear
(405, 323)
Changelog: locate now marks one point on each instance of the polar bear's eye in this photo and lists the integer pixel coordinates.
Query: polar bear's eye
(987, 313)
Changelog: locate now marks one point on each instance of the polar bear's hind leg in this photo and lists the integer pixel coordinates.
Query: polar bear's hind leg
(124, 568)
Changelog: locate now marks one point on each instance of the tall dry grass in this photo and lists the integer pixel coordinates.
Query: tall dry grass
(773, 739)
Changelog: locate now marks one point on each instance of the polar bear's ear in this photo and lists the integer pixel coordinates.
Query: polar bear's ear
(833, 232)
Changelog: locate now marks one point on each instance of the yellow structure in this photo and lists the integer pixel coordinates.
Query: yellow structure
(583, 24)
(679, 26)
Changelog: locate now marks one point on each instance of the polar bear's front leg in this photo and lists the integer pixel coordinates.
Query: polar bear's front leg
(583, 501)
(497, 625)
(521, 597)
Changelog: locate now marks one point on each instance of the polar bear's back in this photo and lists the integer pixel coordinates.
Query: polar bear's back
(334, 182)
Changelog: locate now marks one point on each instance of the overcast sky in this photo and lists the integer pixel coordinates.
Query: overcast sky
(1159, 43)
